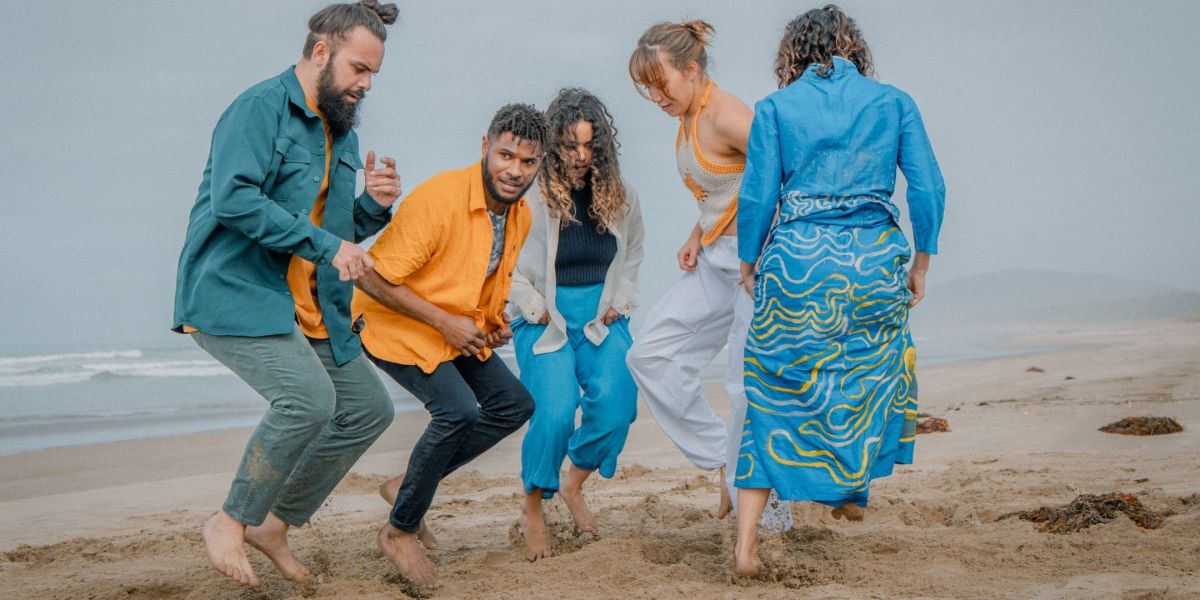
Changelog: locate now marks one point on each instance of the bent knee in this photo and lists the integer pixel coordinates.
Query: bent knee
(378, 415)
(460, 418)
(637, 357)
(553, 417)
(312, 403)
(523, 405)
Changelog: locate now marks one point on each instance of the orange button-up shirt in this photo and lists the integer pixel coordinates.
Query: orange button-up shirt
(302, 275)
(438, 245)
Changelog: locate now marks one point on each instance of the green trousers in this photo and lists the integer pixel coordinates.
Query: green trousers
(321, 419)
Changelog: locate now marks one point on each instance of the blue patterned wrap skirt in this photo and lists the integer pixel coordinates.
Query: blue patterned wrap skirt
(829, 362)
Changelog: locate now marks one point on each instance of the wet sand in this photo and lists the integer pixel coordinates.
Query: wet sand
(122, 520)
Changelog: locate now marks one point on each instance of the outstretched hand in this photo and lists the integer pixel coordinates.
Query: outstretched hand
(383, 185)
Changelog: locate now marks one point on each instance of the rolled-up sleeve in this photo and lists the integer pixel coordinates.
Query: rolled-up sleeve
(759, 194)
(926, 195)
(409, 240)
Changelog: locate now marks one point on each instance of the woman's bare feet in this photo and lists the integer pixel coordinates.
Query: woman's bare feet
(745, 559)
(572, 495)
(407, 555)
(271, 538)
(533, 527)
(389, 490)
(848, 511)
(726, 505)
(223, 538)
(745, 552)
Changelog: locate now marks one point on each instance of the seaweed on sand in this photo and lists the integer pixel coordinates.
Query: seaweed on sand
(1143, 426)
(1090, 509)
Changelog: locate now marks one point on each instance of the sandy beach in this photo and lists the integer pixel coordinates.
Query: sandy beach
(122, 520)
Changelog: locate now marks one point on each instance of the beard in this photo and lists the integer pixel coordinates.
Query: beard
(340, 114)
(489, 185)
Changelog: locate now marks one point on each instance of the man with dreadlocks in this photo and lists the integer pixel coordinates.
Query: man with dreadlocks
(575, 285)
(432, 310)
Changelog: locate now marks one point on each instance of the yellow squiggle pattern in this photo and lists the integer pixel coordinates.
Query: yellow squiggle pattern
(830, 369)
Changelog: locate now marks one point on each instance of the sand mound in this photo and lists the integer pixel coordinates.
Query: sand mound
(1143, 426)
(1091, 509)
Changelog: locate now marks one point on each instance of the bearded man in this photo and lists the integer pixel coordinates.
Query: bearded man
(264, 281)
(431, 311)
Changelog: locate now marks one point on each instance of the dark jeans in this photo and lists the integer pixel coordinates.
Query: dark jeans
(474, 404)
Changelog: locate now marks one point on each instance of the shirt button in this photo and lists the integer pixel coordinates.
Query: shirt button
(304, 211)
(283, 276)
(316, 179)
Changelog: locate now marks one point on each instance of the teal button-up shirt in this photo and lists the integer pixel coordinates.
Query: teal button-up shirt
(251, 215)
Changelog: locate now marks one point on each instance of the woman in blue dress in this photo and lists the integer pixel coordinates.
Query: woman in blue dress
(829, 362)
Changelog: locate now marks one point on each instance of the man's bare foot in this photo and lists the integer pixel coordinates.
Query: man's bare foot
(403, 550)
(746, 563)
(848, 511)
(726, 505)
(223, 538)
(271, 539)
(572, 495)
(389, 490)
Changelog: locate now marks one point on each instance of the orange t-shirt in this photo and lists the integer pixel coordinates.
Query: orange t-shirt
(301, 276)
(438, 245)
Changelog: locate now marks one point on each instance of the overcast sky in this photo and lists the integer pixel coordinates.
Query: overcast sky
(1067, 131)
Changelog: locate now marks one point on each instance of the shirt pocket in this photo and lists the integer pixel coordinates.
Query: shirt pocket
(343, 180)
(293, 187)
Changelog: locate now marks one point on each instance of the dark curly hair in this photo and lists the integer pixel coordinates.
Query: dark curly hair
(815, 37)
(569, 107)
(523, 121)
(334, 22)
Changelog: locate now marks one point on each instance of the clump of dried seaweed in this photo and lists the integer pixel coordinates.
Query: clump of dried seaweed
(1143, 426)
(930, 424)
(1090, 509)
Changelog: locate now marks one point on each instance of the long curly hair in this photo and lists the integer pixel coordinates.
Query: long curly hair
(570, 106)
(815, 37)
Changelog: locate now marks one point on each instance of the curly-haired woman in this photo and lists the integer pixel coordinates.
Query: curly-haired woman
(574, 287)
(829, 362)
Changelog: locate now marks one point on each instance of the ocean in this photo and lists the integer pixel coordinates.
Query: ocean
(109, 395)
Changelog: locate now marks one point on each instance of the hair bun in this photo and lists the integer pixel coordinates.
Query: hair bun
(387, 12)
(700, 30)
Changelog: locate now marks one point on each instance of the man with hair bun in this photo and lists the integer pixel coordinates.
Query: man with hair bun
(264, 281)
(431, 311)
